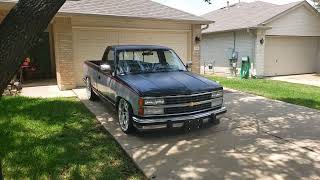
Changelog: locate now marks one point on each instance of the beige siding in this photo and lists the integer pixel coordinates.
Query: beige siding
(215, 48)
(291, 55)
(299, 22)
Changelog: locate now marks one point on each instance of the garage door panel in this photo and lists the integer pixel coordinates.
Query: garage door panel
(290, 55)
(89, 44)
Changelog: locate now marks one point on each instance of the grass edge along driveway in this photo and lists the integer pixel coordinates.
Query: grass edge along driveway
(303, 95)
(58, 139)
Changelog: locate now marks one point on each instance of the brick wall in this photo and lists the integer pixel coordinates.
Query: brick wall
(63, 47)
(196, 49)
(259, 53)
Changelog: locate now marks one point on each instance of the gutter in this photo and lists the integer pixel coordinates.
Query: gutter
(246, 28)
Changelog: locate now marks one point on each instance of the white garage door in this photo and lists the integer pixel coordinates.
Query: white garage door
(90, 45)
(290, 55)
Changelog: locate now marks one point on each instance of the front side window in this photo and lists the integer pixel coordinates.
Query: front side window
(148, 61)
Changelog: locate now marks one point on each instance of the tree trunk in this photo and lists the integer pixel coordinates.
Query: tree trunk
(20, 31)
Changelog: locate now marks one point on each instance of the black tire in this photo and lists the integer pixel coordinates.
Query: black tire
(129, 128)
(90, 93)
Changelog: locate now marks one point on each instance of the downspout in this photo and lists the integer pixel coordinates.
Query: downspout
(205, 28)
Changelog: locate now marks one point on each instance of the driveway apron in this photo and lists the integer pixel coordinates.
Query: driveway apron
(258, 139)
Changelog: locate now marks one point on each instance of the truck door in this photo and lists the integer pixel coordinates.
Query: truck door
(105, 79)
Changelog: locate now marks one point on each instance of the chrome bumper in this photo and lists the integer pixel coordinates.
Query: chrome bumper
(175, 122)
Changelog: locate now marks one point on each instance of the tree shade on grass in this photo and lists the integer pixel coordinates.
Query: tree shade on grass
(58, 139)
(304, 95)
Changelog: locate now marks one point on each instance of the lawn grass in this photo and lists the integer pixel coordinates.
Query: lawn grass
(304, 95)
(58, 139)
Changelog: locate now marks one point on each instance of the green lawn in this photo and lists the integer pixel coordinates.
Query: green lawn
(58, 139)
(303, 95)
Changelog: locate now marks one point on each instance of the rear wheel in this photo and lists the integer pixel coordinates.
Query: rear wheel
(125, 117)
(90, 93)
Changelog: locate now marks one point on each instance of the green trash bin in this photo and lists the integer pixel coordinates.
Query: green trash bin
(245, 68)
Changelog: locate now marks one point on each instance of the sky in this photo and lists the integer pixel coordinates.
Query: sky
(199, 7)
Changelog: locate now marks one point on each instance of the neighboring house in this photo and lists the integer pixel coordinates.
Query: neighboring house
(279, 39)
(83, 29)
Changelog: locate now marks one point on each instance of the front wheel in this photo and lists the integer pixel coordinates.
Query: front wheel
(125, 117)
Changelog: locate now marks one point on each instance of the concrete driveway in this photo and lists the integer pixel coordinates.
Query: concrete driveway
(258, 139)
(307, 79)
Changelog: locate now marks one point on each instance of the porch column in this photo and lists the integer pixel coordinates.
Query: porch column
(259, 53)
(196, 49)
(63, 46)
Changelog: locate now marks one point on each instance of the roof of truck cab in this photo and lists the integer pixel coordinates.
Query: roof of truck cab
(137, 47)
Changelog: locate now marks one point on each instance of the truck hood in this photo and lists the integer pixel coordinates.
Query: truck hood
(169, 83)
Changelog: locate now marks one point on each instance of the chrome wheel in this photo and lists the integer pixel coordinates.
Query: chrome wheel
(124, 115)
(88, 89)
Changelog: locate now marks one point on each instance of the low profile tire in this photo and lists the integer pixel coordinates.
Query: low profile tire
(125, 117)
(90, 93)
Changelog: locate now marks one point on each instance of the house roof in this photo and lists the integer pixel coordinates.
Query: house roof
(145, 9)
(246, 15)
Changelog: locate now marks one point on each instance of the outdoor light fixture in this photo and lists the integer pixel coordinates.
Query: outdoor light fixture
(197, 39)
(261, 41)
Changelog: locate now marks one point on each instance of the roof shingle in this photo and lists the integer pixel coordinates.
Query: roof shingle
(244, 15)
(127, 8)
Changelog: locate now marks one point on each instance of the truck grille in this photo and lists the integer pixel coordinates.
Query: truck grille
(187, 109)
(187, 99)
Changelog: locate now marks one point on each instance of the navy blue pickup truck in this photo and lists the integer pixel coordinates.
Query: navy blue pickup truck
(152, 89)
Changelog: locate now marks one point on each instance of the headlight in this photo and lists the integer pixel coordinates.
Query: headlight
(153, 111)
(153, 102)
(217, 102)
(216, 94)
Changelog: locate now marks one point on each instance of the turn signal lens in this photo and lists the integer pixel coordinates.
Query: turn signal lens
(141, 109)
(141, 102)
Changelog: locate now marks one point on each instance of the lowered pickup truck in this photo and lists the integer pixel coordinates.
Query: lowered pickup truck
(152, 89)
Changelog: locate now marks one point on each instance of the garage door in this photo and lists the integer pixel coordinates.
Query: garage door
(290, 55)
(90, 44)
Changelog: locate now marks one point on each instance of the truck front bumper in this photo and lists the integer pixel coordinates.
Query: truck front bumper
(176, 122)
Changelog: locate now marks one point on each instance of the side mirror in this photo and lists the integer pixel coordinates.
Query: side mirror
(105, 67)
(189, 65)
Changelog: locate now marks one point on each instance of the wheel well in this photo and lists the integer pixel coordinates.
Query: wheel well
(118, 100)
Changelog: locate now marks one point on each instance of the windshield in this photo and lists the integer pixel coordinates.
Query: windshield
(146, 61)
